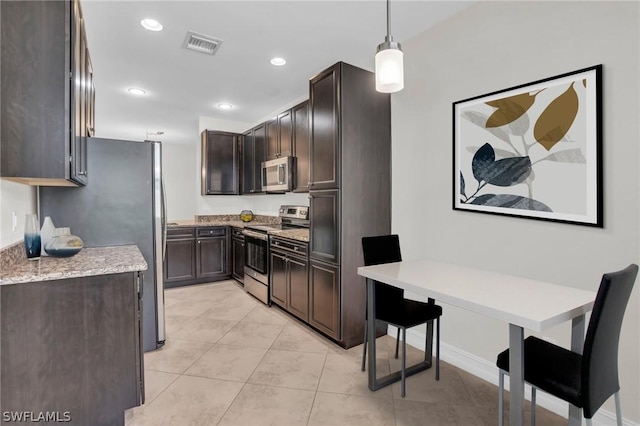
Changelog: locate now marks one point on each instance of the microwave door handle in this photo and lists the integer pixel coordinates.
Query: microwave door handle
(281, 174)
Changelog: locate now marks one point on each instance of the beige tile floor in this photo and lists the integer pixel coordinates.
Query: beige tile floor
(230, 360)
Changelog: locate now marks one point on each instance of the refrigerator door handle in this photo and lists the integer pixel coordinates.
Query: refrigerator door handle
(164, 218)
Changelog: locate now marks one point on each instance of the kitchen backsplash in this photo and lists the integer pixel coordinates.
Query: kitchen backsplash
(235, 218)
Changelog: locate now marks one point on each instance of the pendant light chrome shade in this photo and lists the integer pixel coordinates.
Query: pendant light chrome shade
(389, 63)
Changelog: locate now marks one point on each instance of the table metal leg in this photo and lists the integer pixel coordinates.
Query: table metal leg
(374, 382)
(516, 375)
(577, 344)
(371, 329)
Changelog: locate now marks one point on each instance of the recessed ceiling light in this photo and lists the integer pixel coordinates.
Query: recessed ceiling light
(225, 106)
(136, 91)
(278, 62)
(151, 24)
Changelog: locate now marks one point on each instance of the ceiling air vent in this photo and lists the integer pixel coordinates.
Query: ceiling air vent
(201, 43)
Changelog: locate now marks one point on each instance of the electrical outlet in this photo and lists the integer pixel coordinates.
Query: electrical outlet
(14, 222)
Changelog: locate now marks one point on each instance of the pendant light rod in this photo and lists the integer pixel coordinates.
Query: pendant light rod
(388, 20)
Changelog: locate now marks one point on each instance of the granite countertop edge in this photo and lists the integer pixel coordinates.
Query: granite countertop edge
(294, 234)
(88, 262)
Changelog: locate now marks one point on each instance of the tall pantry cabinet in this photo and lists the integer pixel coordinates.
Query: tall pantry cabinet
(350, 194)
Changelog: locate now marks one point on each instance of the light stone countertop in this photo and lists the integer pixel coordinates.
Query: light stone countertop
(191, 223)
(294, 234)
(88, 262)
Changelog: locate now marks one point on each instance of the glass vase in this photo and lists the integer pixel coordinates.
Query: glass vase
(32, 237)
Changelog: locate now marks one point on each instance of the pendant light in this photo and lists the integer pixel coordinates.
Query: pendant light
(389, 63)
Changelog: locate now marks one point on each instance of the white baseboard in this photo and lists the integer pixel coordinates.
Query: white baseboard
(488, 371)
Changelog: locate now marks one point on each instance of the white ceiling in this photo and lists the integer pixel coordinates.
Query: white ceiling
(183, 85)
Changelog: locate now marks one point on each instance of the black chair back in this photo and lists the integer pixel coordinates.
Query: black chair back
(378, 250)
(600, 353)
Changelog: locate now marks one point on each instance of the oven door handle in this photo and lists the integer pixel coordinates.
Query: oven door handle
(257, 235)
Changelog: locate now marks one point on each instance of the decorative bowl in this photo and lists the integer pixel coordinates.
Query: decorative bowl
(63, 244)
(246, 215)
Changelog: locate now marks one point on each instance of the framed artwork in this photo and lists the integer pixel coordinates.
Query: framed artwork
(532, 151)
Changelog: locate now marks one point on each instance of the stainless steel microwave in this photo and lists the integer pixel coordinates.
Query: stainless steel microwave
(277, 175)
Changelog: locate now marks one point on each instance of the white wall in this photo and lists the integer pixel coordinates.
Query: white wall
(18, 198)
(493, 46)
(179, 177)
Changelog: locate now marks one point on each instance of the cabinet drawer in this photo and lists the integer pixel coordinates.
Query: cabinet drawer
(290, 246)
(219, 231)
(237, 233)
(175, 233)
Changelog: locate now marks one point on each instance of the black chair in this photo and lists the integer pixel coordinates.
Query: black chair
(588, 380)
(391, 306)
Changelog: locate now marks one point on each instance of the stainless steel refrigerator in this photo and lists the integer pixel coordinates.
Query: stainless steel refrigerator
(123, 203)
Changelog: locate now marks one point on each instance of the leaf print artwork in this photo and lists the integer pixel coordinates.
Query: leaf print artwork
(533, 150)
(557, 118)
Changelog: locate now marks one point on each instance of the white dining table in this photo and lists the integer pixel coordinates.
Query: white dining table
(522, 302)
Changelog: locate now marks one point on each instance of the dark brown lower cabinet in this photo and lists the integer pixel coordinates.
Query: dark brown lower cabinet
(72, 348)
(237, 255)
(324, 298)
(196, 255)
(279, 278)
(180, 256)
(211, 255)
(289, 276)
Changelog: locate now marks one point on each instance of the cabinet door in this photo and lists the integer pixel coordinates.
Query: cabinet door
(278, 281)
(81, 98)
(324, 221)
(300, 117)
(260, 154)
(273, 148)
(179, 263)
(324, 298)
(248, 163)
(211, 257)
(298, 297)
(69, 343)
(219, 163)
(237, 252)
(285, 133)
(325, 139)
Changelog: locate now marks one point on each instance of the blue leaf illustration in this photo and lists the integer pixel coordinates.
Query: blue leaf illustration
(462, 192)
(482, 161)
(505, 172)
(511, 202)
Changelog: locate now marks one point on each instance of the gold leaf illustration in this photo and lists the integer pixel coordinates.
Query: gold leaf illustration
(584, 82)
(509, 109)
(557, 118)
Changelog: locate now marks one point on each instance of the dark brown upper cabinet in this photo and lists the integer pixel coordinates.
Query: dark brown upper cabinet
(253, 154)
(300, 118)
(324, 167)
(279, 135)
(48, 95)
(220, 163)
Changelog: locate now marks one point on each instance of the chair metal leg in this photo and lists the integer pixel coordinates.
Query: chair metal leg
(589, 422)
(438, 348)
(501, 398)
(398, 342)
(533, 406)
(404, 361)
(364, 349)
(618, 408)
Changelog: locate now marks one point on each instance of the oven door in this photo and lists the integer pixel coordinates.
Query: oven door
(256, 255)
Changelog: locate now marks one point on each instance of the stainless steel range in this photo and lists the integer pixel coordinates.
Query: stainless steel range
(256, 249)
